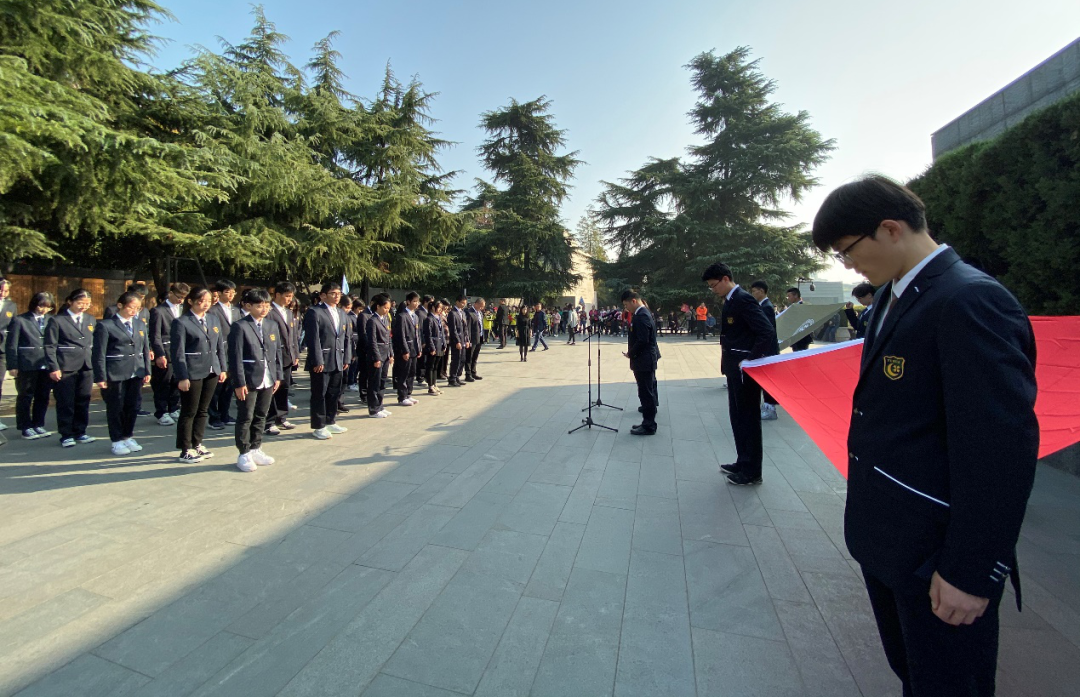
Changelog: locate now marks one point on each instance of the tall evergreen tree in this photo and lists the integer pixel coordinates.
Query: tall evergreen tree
(520, 247)
(79, 161)
(590, 238)
(671, 218)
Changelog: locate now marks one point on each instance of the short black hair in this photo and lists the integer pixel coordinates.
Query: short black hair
(285, 287)
(629, 294)
(796, 291)
(139, 288)
(411, 295)
(716, 272)
(346, 301)
(180, 288)
(254, 296)
(329, 286)
(857, 208)
(862, 289)
(462, 297)
(762, 285)
(77, 294)
(125, 298)
(223, 285)
(426, 299)
(42, 299)
(380, 300)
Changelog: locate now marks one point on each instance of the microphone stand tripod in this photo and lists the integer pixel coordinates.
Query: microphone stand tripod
(599, 402)
(588, 422)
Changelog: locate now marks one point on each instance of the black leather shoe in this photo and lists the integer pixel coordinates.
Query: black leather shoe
(477, 377)
(733, 468)
(470, 380)
(343, 410)
(454, 383)
(642, 431)
(740, 479)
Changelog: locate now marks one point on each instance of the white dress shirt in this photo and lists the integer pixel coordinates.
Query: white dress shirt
(900, 286)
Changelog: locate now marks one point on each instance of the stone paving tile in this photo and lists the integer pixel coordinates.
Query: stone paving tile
(536, 508)
(186, 675)
(87, 676)
(398, 548)
(777, 569)
(511, 671)
(727, 593)
(472, 522)
(656, 526)
(730, 664)
(657, 476)
(655, 655)
(606, 543)
(582, 651)
(389, 686)
(824, 672)
(473, 605)
(708, 513)
(553, 569)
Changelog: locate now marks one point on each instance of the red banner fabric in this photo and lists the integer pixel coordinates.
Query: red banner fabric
(816, 387)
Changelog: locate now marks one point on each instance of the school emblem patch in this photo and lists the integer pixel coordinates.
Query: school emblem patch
(142, 333)
(8, 313)
(272, 337)
(731, 320)
(216, 330)
(89, 327)
(894, 367)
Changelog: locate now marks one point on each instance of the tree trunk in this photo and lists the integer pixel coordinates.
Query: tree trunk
(365, 291)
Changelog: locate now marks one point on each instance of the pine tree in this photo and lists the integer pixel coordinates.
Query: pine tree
(520, 247)
(590, 238)
(671, 218)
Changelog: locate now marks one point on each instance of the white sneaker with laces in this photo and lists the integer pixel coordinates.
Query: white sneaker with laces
(175, 414)
(334, 428)
(322, 434)
(67, 443)
(245, 463)
(261, 458)
(42, 432)
(405, 403)
(3, 426)
(120, 448)
(292, 407)
(132, 445)
(166, 420)
(203, 452)
(380, 414)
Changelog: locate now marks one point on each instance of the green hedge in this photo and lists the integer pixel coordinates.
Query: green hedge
(1012, 207)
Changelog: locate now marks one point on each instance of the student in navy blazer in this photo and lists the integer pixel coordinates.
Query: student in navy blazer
(162, 379)
(69, 345)
(434, 340)
(121, 368)
(380, 354)
(474, 316)
(255, 366)
(406, 338)
(278, 417)
(643, 353)
(227, 313)
(745, 334)
(459, 340)
(942, 444)
(28, 364)
(7, 313)
(326, 334)
(199, 365)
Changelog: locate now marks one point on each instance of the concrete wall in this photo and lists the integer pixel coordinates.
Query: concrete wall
(1049, 82)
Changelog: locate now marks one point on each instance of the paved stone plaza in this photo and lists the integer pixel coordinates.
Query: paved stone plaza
(469, 545)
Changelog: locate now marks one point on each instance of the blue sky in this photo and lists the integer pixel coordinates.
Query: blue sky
(878, 77)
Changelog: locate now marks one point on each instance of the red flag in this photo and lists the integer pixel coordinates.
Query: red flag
(816, 387)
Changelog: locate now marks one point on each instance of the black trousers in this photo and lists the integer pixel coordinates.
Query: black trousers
(279, 405)
(404, 376)
(194, 412)
(251, 418)
(444, 361)
(457, 361)
(219, 405)
(421, 366)
(73, 402)
(32, 403)
(431, 364)
(768, 398)
(647, 395)
(702, 329)
(166, 394)
(325, 390)
(930, 657)
(503, 329)
(376, 379)
(121, 407)
(471, 356)
(363, 375)
(744, 410)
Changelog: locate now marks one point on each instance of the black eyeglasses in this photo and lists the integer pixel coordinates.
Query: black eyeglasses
(842, 256)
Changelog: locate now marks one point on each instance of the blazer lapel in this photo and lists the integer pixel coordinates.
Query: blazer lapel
(918, 287)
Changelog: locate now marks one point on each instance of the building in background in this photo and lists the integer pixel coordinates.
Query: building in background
(1050, 81)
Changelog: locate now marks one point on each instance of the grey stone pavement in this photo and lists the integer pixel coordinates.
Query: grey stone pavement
(470, 546)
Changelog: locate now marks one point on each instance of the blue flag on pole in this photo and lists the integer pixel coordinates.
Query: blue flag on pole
(344, 285)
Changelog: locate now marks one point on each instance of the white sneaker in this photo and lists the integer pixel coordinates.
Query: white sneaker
(261, 458)
(203, 452)
(292, 407)
(380, 415)
(768, 412)
(166, 420)
(120, 448)
(245, 463)
(175, 414)
(353, 388)
(3, 426)
(322, 434)
(413, 401)
(67, 443)
(132, 445)
(334, 428)
(406, 403)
